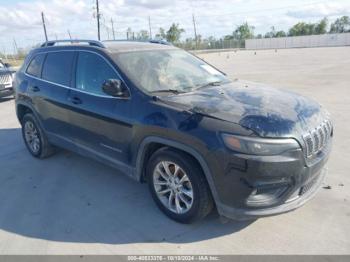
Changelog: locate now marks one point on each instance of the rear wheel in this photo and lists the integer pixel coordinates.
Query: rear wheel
(35, 138)
(178, 186)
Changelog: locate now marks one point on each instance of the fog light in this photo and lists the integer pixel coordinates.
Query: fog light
(264, 196)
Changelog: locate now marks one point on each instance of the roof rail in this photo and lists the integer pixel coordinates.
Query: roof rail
(152, 41)
(160, 41)
(73, 41)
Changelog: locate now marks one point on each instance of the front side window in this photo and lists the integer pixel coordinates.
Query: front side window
(92, 72)
(35, 65)
(172, 69)
(58, 67)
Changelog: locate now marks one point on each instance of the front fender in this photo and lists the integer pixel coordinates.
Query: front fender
(178, 145)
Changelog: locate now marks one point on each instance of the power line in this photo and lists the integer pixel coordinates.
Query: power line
(150, 28)
(264, 10)
(15, 48)
(195, 30)
(249, 11)
(113, 28)
(107, 29)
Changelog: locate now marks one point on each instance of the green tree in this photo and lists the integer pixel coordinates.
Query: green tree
(244, 31)
(341, 25)
(142, 35)
(280, 33)
(302, 28)
(161, 34)
(272, 33)
(173, 35)
(321, 27)
(228, 37)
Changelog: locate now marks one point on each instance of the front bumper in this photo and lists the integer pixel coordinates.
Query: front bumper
(243, 175)
(290, 205)
(6, 90)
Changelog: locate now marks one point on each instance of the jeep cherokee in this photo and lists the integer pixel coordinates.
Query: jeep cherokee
(163, 116)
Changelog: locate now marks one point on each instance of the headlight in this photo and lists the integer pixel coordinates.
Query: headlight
(259, 146)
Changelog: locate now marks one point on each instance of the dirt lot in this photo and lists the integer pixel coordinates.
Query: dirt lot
(71, 205)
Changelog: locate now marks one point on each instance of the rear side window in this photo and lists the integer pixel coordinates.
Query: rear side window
(35, 65)
(58, 67)
(92, 71)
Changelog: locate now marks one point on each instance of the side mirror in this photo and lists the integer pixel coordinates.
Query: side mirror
(115, 87)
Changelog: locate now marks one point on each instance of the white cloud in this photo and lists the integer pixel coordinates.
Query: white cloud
(22, 20)
(320, 10)
(151, 4)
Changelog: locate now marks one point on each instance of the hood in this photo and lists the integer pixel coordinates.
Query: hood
(269, 112)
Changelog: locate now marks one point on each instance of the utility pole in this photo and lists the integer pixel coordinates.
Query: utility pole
(43, 20)
(15, 48)
(113, 28)
(98, 21)
(70, 36)
(107, 29)
(150, 28)
(195, 30)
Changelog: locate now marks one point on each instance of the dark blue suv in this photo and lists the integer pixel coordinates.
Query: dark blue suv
(166, 117)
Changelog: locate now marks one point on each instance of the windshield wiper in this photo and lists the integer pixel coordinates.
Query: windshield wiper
(174, 91)
(216, 83)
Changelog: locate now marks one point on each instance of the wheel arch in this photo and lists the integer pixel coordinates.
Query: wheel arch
(22, 109)
(151, 144)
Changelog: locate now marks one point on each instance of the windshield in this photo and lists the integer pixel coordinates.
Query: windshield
(168, 70)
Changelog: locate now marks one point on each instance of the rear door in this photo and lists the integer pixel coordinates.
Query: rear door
(50, 92)
(102, 123)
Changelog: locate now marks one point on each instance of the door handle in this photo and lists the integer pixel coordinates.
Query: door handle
(76, 100)
(34, 89)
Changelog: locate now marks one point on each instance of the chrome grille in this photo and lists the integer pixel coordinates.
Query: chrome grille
(5, 78)
(316, 139)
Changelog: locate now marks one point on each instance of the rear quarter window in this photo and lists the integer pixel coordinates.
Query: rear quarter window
(35, 65)
(58, 67)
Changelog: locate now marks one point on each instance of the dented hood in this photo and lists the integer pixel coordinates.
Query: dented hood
(269, 112)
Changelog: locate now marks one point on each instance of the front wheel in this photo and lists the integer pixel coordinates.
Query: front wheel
(178, 186)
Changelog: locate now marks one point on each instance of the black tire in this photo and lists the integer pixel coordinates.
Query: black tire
(202, 200)
(45, 149)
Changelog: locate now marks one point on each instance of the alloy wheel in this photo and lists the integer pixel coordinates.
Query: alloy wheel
(32, 137)
(173, 187)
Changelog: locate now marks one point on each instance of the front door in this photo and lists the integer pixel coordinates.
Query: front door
(101, 123)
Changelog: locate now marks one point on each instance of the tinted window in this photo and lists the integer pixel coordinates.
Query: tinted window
(58, 67)
(92, 71)
(34, 67)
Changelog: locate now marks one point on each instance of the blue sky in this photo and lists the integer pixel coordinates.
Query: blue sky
(20, 19)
